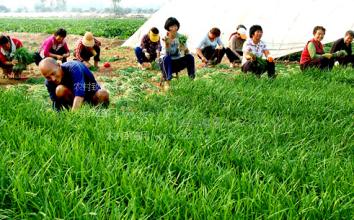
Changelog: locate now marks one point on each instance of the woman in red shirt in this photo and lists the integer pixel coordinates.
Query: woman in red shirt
(8, 46)
(313, 54)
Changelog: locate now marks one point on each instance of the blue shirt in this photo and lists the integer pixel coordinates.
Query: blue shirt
(206, 42)
(78, 78)
(174, 49)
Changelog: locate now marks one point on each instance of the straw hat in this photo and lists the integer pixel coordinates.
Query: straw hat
(242, 33)
(154, 37)
(88, 40)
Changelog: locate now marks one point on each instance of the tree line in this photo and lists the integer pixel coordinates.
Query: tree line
(61, 5)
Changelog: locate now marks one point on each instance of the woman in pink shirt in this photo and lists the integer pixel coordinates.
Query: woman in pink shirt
(54, 46)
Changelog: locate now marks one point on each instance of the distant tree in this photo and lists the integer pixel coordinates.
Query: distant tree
(107, 10)
(4, 9)
(116, 8)
(127, 10)
(92, 9)
(21, 10)
(42, 8)
(51, 5)
(61, 5)
(151, 10)
(79, 10)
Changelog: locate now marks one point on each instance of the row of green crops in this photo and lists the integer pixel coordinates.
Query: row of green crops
(223, 146)
(104, 27)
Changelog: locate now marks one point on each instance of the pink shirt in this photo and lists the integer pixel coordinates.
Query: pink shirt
(51, 45)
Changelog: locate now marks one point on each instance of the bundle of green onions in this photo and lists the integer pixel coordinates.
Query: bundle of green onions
(182, 39)
(24, 58)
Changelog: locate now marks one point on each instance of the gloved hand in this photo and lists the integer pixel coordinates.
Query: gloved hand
(340, 53)
(147, 55)
(327, 55)
(219, 47)
(167, 41)
(250, 56)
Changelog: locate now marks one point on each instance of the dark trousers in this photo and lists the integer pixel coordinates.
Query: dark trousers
(86, 53)
(232, 56)
(169, 66)
(321, 63)
(61, 51)
(213, 54)
(61, 104)
(58, 104)
(257, 68)
(344, 61)
(140, 56)
(6, 68)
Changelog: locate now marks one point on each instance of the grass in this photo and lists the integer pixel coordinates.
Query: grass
(223, 146)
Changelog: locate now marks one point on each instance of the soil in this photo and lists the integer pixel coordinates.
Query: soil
(111, 52)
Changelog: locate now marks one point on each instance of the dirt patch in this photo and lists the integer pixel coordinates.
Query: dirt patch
(111, 52)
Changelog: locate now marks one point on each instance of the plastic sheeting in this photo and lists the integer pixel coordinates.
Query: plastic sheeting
(287, 25)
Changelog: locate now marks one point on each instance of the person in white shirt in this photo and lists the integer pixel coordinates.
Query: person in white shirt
(253, 51)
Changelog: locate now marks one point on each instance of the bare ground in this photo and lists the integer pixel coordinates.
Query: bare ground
(111, 50)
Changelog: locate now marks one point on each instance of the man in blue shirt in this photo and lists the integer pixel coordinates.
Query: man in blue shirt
(70, 84)
(211, 49)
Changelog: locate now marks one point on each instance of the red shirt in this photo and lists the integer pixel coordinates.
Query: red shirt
(305, 55)
(80, 48)
(18, 44)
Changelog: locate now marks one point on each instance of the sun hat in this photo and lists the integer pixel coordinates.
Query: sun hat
(88, 40)
(242, 33)
(154, 37)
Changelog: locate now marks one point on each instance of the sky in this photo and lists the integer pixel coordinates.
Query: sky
(88, 3)
(143, 3)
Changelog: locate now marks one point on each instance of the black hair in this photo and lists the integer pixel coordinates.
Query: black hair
(255, 28)
(4, 40)
(350, 33)
(215, 31)
(170, 22)
(154, 30)
(60, 32)
(315, 29)
(241, 26)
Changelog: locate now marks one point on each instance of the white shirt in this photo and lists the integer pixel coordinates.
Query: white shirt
(250, 47)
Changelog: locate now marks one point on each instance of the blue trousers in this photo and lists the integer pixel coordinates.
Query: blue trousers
(169, 66)
(140, 56)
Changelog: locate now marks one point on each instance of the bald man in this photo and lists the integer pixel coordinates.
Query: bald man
(70, 84)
